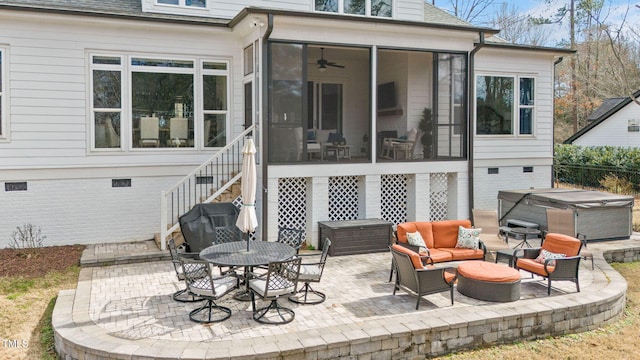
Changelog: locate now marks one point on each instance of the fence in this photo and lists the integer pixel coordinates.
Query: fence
(607, 178)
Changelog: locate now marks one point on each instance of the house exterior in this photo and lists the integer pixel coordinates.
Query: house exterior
(118, 116)
(616, 123)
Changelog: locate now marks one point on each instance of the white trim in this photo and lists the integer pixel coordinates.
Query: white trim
(4, 95)
(515, 120)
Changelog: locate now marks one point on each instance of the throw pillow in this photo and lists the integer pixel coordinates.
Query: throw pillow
(416, 239)
(334, 137)
(548, 255)
(468, 238)
(311, 134)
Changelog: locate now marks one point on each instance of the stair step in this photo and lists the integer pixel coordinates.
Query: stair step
(176, 235)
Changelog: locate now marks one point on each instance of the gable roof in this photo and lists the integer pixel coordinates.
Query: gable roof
(606, 110)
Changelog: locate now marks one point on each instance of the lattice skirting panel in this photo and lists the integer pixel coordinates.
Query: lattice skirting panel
(343, 198)
(393, 188)
(438, 197)
(292, 203)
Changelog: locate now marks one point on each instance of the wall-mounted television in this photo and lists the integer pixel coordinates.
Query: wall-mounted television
(387, 96)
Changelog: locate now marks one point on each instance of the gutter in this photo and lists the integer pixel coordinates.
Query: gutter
(472, 83)
(553, 127)
(264, 83)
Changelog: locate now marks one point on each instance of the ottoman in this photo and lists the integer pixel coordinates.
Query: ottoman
(488, 281)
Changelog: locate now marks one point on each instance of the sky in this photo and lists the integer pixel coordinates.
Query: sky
(615, 10)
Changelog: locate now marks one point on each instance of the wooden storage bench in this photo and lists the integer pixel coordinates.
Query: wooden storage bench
(355, 236)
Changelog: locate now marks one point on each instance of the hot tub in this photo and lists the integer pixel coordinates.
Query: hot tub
(599, 215)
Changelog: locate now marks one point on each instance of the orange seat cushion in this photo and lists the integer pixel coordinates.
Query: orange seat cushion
(489, 272)
(445, 233)
(439, 255)
(414, 256)
(533, 266)
(465, 254)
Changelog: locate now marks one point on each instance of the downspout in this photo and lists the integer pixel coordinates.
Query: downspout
(470, 103)
(553, 128)
(264, 122)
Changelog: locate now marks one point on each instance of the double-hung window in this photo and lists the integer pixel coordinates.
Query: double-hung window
(380, 8)
(3, 81)
(184, 3)
(505, 105)
(153, 102)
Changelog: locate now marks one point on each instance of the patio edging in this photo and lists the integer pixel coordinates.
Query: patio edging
(421, 334)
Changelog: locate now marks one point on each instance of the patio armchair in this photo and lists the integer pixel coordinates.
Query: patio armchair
(280, 280)
(562, 221)
(201, 282)
(492, 235)
(290, 236)
(181, 295)
(398, 148)
(311, 272)
(557, 259)
(414, 278)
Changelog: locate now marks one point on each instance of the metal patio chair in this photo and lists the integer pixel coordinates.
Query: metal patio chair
(311, 272)
(181, 295)
(280, 280)
(201, 282)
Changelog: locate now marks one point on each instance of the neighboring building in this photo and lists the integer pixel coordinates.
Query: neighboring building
(107, 105)
(616, 123)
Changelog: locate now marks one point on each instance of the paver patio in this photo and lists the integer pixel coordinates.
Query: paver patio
(126, 311)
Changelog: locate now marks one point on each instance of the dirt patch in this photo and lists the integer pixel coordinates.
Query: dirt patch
(30, 263)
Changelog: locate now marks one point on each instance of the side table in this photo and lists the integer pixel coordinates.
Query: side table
(506, 254)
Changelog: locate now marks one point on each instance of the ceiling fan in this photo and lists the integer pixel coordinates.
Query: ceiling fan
(322, 63)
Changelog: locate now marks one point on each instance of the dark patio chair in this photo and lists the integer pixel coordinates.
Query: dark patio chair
(181, 295)
(280, 280)
(291, 237)
(200, 281)
(562, 268)
(311, 272)
(414, 278)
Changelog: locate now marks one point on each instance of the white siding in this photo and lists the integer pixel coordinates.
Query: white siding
(48, 80)
(509, 153)
(613, 130)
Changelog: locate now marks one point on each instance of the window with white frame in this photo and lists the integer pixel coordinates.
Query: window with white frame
(184, 3)
(505, 105)
(165, 99)
(379, 8)
(3, 81)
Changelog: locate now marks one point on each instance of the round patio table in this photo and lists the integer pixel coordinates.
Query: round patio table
(235, 254)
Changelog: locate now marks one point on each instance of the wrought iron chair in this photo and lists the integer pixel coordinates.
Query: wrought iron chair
(181, 295)
(291, 237)
(414, 278)
(311, 272)
(201, 282)
(559, 268)
(280, 280)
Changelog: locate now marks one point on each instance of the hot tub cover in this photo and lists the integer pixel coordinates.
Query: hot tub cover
(566, 198)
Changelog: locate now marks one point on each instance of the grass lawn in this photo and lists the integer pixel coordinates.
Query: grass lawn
(26, 305)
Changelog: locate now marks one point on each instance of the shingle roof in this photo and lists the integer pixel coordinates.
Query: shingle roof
(436, 15)
(114, 8)
(606, 110)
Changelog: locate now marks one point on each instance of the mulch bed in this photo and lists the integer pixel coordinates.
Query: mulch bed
(39, 261)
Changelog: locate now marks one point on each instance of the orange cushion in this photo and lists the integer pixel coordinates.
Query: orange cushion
(439, 255)
(486, 271)
(465, 254)
(414, 256)
(424, 227)
(445, 233)
(533, 266)
(561, 244)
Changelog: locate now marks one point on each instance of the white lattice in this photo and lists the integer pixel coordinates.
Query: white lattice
(438, 196)
(343, 198)
(393, 188)
(292, 203)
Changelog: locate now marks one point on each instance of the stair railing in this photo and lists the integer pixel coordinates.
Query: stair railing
(202, 185)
